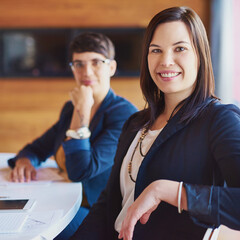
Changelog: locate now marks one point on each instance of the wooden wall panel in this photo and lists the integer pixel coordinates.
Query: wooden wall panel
(91, 13)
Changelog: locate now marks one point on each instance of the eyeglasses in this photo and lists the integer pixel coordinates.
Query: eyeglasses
(94, 63)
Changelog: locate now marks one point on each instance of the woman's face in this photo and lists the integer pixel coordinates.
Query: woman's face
(172, 59)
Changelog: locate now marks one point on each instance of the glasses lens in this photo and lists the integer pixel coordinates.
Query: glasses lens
(94, 63)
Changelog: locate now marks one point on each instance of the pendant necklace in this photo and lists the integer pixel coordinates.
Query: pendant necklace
(143, 135)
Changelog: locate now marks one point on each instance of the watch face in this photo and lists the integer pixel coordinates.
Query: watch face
(72, 134)
(80, 133)
(84, 132)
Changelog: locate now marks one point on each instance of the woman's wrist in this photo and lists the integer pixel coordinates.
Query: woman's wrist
(80, 119)
(167, 191)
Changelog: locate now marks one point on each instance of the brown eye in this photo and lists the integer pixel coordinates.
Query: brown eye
(180, 49)
(155, 50)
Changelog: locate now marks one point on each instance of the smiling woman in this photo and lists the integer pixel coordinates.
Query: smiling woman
(174, 156)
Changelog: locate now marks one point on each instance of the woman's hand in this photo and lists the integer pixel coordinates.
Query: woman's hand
(147, 202)
(82, 99)
(141, 210)
(82, 96)
(23, 171)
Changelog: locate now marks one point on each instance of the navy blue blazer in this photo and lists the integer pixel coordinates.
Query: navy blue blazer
(87, 160)
(205, 151)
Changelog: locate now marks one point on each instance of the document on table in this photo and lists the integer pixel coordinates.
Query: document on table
(49, 174)
(41, 220)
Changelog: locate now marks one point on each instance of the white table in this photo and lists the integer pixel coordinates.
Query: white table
(57, 201)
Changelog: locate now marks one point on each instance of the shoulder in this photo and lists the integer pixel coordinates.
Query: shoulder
(220, 111)
(131, 122)
(222, 118)
(115, 104)
(120, 102)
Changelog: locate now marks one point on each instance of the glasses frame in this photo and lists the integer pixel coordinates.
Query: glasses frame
(107, 61)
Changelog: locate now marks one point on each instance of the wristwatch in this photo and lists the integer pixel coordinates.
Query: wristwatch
(81, 133)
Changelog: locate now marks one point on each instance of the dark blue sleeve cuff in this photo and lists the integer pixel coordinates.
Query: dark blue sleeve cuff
(34, 160)
(214, 205)
(202, 204)
(74, 145)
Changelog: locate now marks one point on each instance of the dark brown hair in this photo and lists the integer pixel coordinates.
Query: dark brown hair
(92, 42)
(205, 80)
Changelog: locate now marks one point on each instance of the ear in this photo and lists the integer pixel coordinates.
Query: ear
(113, 67)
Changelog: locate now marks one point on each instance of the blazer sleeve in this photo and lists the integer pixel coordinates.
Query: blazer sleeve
(215, 205)
(43, 147)
(85, 160)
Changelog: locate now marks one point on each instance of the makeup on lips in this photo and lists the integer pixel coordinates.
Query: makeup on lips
(87, 82)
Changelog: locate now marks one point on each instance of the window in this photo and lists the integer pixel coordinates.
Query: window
(44, 52)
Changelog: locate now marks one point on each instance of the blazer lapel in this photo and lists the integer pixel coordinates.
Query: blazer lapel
(172, 127)
(169, 130)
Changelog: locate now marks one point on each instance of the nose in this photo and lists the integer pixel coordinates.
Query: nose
(88, 69)
(166, 59)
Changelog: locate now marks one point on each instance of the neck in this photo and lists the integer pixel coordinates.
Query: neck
(171, 102)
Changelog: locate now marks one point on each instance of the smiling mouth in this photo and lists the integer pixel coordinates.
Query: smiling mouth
(169, 75)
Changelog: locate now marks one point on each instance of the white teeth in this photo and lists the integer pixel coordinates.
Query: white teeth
(169, 74)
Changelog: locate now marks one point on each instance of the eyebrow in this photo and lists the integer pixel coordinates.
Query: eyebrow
(181, 42)
(93, 59)
(155, 45)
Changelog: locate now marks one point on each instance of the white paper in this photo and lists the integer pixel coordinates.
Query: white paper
(39, 220)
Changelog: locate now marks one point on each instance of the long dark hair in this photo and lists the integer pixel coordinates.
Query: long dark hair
(204, 88)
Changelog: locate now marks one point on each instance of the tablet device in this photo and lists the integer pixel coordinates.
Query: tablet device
(16, 205)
